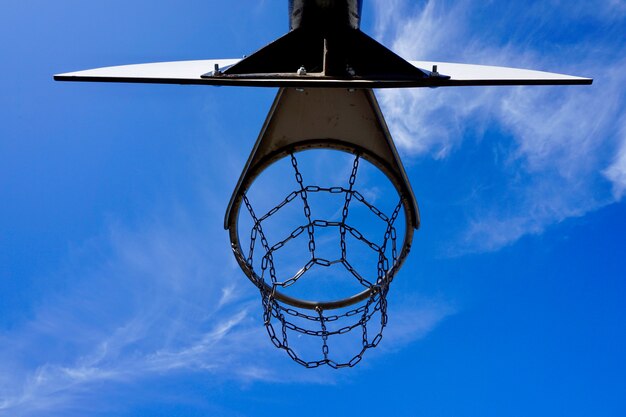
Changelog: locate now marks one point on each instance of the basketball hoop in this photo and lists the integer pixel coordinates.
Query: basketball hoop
(326, 69)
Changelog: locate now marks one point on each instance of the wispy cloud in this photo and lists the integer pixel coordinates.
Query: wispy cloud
(559, 140)
(160, 300)
(616, 172)
(413, 319)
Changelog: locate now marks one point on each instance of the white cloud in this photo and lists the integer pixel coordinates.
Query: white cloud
(558, 139)
(159, 301)
(413, 319)
(616, 172)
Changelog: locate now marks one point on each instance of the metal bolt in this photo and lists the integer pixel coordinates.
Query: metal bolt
(216, 70)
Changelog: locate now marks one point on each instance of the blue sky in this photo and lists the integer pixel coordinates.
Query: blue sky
(118, 291)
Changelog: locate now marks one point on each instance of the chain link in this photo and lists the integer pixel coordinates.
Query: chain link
(307, 210)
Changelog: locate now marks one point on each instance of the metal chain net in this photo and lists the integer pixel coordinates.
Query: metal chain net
(281, 320)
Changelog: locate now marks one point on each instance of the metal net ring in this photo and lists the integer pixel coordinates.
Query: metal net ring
(240, 201)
